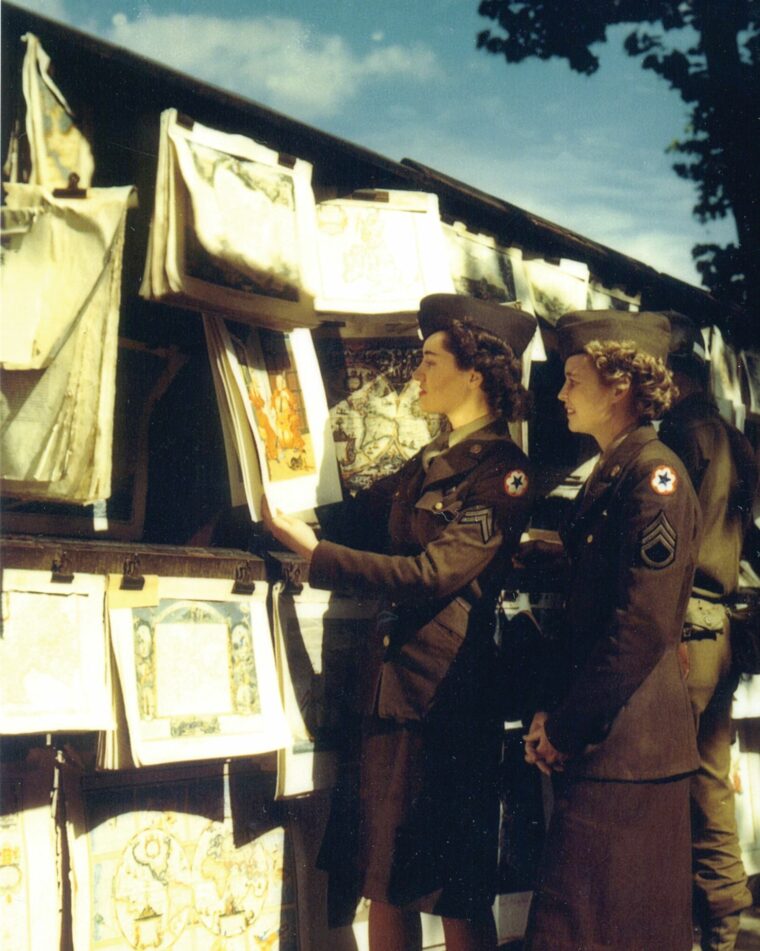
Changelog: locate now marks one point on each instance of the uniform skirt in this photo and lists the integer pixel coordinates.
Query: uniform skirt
(616, 872)
(427, 816)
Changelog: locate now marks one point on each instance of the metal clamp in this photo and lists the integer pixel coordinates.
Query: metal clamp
(244, 583)
(60, 571)
(291, 577)
(131, 579)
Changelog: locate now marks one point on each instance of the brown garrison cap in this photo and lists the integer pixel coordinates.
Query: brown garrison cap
(685, 338)
(515, 327)
(649, 331)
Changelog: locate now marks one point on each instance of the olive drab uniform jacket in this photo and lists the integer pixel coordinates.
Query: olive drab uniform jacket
(623, 712)
(722, 467)
(435, 545)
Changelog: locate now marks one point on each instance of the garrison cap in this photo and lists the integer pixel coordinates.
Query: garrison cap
(686, 341)
(648, 330)
(514, 327)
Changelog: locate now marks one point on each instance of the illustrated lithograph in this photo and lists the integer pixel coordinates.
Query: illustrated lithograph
(557, 287)
(610, 298)
(197, 673)
(481, 268)
(380, 252)
(725, 381)
(233, 227)
(375, 416)
(273, 403)
(273, 386)
(165, 866)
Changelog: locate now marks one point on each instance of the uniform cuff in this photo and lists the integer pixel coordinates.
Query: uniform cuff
(323, 567)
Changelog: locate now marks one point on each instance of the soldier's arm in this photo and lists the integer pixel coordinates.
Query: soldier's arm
(473, 530)
(361, 521)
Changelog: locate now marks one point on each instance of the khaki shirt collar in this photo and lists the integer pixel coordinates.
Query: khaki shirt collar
(462, 432)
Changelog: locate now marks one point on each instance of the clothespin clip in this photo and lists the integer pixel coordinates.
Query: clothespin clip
(72, 190)
(371, 194)
(288, 161)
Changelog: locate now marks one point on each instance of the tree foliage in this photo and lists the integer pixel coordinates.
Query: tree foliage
(707, 50)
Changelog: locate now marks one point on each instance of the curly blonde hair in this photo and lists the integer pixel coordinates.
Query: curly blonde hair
(652, 383)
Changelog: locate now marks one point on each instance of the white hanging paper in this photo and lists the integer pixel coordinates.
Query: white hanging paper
(380, 253)
(233, 227)
(54, 672)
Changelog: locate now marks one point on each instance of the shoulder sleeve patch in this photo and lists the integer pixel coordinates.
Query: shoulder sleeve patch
(483, 516)
(516, 483)
(658, 543)
(664, 480)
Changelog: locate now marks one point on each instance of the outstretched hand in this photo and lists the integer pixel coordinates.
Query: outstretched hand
(293, 532)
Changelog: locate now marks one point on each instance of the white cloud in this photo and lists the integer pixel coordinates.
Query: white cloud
(55, 9)
(276, 60)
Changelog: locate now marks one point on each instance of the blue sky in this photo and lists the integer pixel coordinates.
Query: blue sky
(404, 79)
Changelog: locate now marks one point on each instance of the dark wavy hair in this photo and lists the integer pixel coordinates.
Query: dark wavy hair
(476, 349)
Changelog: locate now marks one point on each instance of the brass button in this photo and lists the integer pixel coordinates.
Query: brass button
(476, 449)
(438, 506)
(589, 539)
(615, 471)
(386, 641)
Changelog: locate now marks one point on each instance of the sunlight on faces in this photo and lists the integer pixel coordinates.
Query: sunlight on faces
(589, 403)
(444, 387)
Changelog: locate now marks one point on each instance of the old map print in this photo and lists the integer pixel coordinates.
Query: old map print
(376, 421)
(30, 918)
(163, 866)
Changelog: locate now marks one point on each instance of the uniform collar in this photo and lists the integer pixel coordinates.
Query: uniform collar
(462, 432)
(614, 463)
(468, 451)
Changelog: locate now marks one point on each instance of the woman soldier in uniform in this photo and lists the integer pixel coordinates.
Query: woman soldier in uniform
(434, 541)
(618, 724)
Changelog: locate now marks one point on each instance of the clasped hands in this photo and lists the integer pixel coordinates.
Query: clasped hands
(292, 532)
(538, 747)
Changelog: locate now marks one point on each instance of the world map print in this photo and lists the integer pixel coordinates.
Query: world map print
(166, 869)
(375, 417)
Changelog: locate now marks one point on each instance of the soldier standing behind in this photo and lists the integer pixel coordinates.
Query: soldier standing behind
(722, 468)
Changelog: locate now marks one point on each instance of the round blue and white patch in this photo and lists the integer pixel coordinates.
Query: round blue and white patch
(516, 483)
(664, 480)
